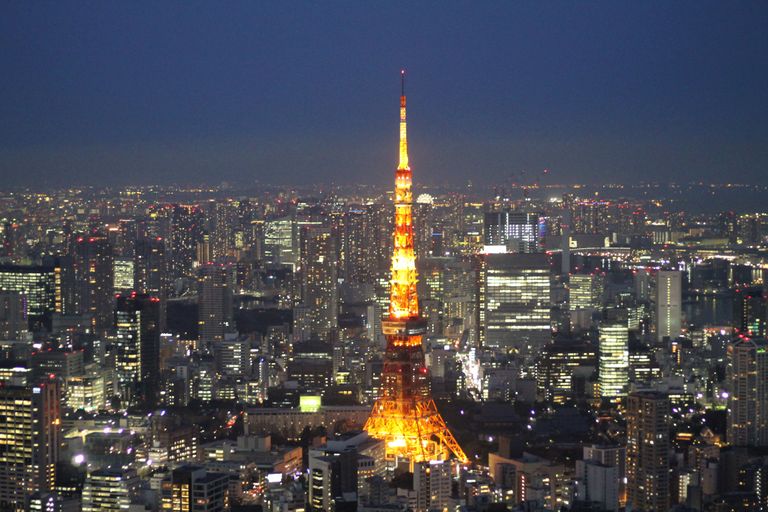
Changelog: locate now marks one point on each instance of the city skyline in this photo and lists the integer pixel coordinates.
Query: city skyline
(183, 330)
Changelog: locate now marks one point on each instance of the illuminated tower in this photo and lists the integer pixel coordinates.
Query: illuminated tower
(405, 416)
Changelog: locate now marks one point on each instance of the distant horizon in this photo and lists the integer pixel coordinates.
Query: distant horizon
(694, 198)
(385, 183)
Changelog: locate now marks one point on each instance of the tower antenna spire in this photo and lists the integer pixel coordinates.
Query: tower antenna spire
(403, 162)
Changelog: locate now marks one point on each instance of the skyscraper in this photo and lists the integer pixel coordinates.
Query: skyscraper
(559, 362)
(41, 287)
(29, 441)
(613, 357)
(214, 302)
(232, 355)
(648, 448)
(124, 275)
(511, 231)
(320, 276)
(668, 304)
(137, 322)
(339, 469)
(585, 291)
(151, 267)
(13, 315)
(747, 381)
(432, 484)
(94, 281)
(151, 272)
(589, 216)
(225, 221)
(750, 311)
(366, 243)
(186, 230)
(514, 302)
(600, 475)
(598, 483)
(281, 241)
(405, 415)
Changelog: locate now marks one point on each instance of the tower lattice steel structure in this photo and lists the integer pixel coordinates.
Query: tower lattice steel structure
(405, 415)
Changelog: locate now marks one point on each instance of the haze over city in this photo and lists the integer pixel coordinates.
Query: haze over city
(110, 93)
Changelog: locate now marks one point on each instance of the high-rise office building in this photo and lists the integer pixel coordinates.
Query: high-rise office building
(151, 267)
(194, 489)
(13, 315)
(642, 285)
(669, 303)
(432, 485)
(585, 291)
(214, 302)
(61, 363)
(643, 368)
(613, 354)
(339, 469)
(94, 280)
(511, 231)
(124, 275)
(366, 243)
(151, 272)
(557, 366)
(747, 382)
(109, 489)
(281, 241)
(124, 235)
(225, 222)
(90, 390)
(331, 475)
(41, 287)
(597, 483)
(29, 440)
(750, 311)
(203, 250)
(514, 302)
(589, 216)
(320, 276)
(424, 229)
(605, 456)
(137, 351)
(648, 446)
(232, 355)
(186, 230)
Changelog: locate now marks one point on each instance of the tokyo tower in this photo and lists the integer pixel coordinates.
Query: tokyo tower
(405, 415)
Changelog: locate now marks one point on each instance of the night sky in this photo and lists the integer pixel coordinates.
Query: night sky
(292, 92)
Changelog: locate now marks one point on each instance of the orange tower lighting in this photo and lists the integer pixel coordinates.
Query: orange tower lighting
(405, 415)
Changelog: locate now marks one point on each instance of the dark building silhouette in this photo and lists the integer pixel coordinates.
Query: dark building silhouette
(137, 350)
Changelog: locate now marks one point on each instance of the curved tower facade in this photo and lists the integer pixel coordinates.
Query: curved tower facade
(405, 415)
